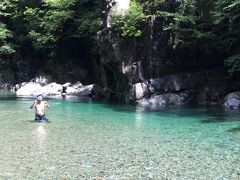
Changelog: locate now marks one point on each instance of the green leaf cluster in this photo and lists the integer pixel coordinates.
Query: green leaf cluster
(132, 24)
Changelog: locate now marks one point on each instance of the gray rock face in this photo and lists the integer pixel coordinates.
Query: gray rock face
(232, 101)
(77, 85)
(167, 84)
(159, 101)
(203, 87)
(137, 68)
(80, 91)
(177, 82)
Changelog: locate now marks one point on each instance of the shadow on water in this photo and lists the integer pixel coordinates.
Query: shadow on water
(220, 117)
(234, 130)
(33, 121)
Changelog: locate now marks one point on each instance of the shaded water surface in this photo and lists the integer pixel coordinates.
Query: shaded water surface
(86, 140)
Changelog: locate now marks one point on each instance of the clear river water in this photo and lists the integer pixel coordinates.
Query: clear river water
(93, 140)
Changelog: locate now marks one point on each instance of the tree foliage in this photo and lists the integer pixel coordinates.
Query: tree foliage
(44, 26)
(5, 34)
(207, 24)
(132, 23)
(227, 28)
(51, 28)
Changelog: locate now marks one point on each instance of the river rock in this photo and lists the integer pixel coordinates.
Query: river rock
(51, 89)
(167, 84)
(77, 85)
(80, 90)
(142, 89)
(93, 90)
(176, 82)
(42, 80)
(68, 84)
(232, 100)
(29, 89)
(54, 90)
(158, 101)
(233, 95)
(70, 90)
(85, 90)
(34, 89)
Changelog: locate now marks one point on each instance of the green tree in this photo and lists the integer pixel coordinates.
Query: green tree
(131, 24)
(6, 35)
(227, 29)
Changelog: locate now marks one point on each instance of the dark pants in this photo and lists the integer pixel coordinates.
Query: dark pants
(40, 118)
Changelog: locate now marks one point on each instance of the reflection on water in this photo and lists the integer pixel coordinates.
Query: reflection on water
(235, 130)
(41, 134)
(138, 117)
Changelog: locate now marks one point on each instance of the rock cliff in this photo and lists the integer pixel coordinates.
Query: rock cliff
(156, 69)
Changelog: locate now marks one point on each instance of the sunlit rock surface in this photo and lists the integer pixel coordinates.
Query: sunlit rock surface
(54, 90)
(29, 89)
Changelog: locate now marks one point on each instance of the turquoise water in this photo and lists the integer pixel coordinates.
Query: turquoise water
(86, 140)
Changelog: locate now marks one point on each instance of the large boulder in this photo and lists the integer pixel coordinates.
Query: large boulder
(54, 90)
(79, 90)
(68, 84)
(85, 90)
(141, 90)
(176, 82)
(34, 89)
(167, 84)
(42, 80)
(233, 95)
(162, 100)
(77, 85)
(29, 89)
(92, 90)
(51, 89)
(232, 101)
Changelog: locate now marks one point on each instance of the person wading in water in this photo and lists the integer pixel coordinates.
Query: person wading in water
(39, 106)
